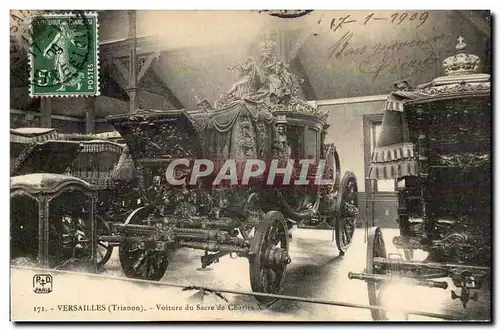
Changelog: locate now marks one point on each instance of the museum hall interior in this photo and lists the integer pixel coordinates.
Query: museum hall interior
(177, 154)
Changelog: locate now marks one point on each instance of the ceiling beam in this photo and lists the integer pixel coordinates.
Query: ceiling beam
(162, 89)
(145, 67)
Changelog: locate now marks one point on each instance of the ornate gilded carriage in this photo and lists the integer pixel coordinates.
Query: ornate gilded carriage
(260, 120)
(436, 143)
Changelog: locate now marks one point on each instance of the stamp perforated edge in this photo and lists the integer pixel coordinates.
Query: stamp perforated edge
(96, 62)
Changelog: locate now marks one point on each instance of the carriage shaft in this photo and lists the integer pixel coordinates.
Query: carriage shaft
(214, 247)
(207, 239)
(137, 229)
(405, 280)
(431, 265)
(209, 235)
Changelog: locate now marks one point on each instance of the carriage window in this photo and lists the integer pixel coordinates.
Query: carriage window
(295, 139)
(311, 143)
(382, 185)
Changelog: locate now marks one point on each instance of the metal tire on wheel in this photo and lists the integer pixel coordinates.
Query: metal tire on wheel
(346, 212)
(375, 247)
(141, 263)
(269, 257)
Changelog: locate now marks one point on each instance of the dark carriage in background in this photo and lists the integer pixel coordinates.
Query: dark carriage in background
(22, 137)
(57, 162)
(109, 169)
(52, 213)
(260, 118)
(436, 143)
(107, 166)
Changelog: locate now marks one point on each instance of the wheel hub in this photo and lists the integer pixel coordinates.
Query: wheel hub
(275, 256)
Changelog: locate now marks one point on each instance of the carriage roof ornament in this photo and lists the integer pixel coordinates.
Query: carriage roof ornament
(462, 68)
(267, 47)
(462, 63)
(462, 74)
(271, 82)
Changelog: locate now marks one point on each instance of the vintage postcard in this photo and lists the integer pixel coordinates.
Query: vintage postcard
(260, 165)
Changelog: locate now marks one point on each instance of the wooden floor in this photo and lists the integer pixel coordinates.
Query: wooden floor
(316, 271)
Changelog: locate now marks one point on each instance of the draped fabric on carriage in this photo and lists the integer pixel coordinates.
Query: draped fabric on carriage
(241, 130)
(393, 156)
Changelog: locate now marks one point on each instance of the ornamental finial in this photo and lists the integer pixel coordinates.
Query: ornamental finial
(267, 47)
(461, 46)
(461, 63)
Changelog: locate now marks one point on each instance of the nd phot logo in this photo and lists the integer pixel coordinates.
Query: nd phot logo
(42, 283)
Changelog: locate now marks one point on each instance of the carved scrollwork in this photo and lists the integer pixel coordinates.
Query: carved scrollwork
(246, 138)
(456, 88)
(463, 246)
(467, 160)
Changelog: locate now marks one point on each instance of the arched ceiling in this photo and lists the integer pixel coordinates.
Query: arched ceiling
(195, 49)
(353, 59)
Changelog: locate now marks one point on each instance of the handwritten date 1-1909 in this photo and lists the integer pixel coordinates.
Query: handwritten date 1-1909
(394, 18)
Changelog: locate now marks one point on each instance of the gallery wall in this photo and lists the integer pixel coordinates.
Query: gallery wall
(346, 131)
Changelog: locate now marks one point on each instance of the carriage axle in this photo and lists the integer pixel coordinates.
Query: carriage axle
(405, 280)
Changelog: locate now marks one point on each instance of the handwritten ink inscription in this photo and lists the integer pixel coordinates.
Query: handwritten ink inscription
(385, 58)
(396, 18)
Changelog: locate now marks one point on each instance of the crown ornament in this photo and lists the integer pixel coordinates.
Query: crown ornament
(461, 63)
(267, 47)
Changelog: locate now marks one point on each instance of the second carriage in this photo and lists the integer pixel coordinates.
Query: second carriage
(260, 120)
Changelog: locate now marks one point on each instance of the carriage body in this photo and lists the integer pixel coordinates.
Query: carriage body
(223, 211)
(438, 149)
(52, 213)
(436, 144)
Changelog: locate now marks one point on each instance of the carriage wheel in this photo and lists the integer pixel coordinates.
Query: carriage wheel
(104, 250)
(375, 247)
(346, 212)
(269, 258)
(141, 263)
(77, 232)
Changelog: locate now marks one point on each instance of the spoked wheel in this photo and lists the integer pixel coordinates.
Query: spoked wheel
(140, 262)
(346, 212)
(375, 247)
(269, 258)
(74, 232)
(104, 249)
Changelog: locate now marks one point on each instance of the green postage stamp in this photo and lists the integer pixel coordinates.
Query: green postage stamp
(64, 55)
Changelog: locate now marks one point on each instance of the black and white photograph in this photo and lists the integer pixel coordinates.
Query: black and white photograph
(251, 165)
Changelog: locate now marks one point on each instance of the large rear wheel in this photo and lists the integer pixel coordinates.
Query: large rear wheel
(269, 257)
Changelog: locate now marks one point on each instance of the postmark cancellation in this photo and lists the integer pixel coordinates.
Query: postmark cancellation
(64, 55)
